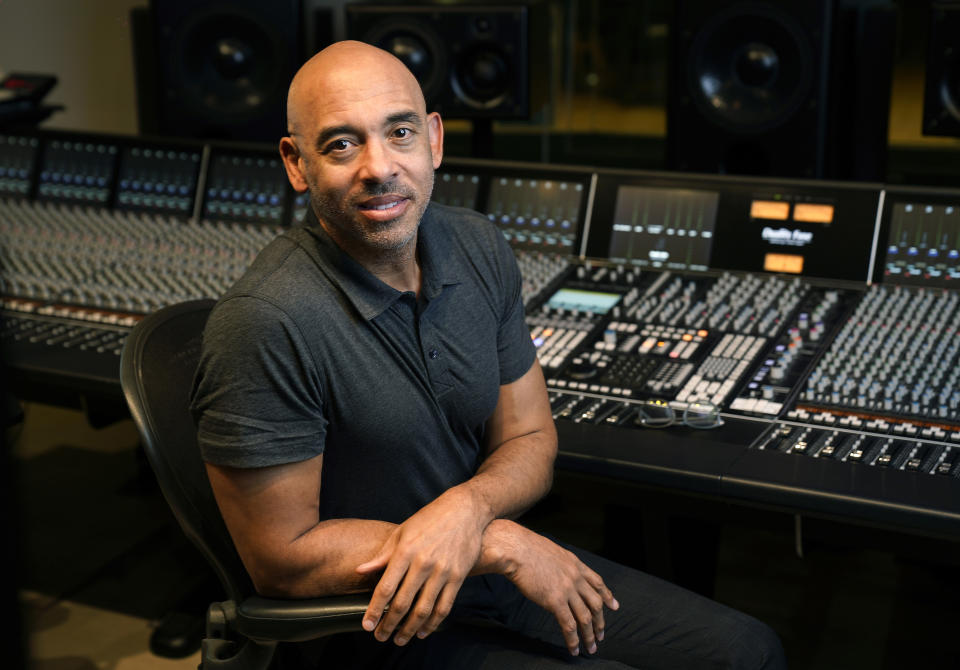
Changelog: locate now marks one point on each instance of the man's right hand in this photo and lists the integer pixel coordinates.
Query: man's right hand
(553, 578)
(424, 562)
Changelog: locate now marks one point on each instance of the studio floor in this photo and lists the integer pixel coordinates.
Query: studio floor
(103, 563)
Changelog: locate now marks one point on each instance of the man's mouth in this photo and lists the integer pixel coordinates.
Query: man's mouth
(381, 205)
(384, 208)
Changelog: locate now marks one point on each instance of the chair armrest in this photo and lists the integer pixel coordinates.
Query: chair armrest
(267, 619)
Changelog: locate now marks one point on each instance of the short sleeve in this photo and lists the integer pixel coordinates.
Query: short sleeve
(257, 398)
(514, 347)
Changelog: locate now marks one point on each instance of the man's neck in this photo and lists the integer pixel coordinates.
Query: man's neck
(397, 268)
(402, 274)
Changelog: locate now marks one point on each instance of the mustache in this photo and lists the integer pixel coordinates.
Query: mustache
(386, 188)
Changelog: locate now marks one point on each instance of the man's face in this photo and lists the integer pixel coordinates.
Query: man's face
(367, 156)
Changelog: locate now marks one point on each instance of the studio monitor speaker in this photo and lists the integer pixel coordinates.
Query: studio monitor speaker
(471, 61)
(941, 100)
(791, 89)
(222, 68)
(747, 87)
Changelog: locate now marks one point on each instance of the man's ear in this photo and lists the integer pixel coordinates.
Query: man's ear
(435, 134)
(292, 163)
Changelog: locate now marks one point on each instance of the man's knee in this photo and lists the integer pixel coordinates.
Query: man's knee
(756, 647)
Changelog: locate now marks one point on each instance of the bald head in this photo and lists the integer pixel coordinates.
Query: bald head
(342, 72)
(363, 145)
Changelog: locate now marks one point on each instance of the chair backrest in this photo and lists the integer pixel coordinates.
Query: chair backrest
(156, 371)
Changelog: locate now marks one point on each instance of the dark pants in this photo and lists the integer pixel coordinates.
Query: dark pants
(658, 626)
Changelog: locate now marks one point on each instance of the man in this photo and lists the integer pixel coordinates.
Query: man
(373, 416)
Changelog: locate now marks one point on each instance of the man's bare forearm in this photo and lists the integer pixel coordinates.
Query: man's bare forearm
(515, 476)
(521, 449)
(323, 560)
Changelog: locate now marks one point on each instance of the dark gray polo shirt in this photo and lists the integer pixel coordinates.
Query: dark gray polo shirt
(310, 353)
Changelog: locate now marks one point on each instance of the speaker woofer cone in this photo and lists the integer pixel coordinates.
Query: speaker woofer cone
(950, 89)
(749, 72)
(481, 77)
(417, 46)
(228, 66)
(414, 54)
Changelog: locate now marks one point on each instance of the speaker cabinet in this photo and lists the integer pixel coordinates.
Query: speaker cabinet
(941, 100)
(747, 87)
(471, 61)
(798, 89)
(223, 68)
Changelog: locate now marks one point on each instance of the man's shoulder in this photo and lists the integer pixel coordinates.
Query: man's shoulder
(280, 275)
(466, 230)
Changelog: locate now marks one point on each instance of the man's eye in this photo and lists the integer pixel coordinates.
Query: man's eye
(402, 133)
(338, 145)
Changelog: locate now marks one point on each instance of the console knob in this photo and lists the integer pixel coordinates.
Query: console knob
(582, 367)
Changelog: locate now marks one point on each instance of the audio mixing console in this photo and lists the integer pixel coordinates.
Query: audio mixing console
(783, 342)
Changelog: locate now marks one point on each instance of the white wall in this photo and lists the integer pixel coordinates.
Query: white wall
(87, 45)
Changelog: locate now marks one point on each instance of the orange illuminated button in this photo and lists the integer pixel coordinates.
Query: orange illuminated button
(783, 263)
(770, 209)
(813, 213)
(701, 333)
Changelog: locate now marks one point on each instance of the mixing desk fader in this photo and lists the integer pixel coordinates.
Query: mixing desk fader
(896, 356)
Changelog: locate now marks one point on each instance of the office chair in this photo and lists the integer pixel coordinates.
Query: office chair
(156, 372)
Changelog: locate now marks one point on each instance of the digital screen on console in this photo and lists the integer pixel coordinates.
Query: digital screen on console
(160, 179)
(663, 228)
(537, 213)
(596, 302)
(923, 244)
(456, 189)
(725, 222)
(788, 226)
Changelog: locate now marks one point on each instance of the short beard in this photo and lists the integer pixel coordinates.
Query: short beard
(329, 211)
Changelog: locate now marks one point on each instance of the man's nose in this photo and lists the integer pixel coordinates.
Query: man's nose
(379, 163)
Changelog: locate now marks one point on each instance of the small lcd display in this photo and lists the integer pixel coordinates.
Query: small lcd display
(583, 301)
(541, 214)
(663, 228)
(923, 245)
(158, 179)
(456, 189)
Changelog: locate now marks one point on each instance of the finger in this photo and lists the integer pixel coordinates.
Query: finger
(403, 599)
(593, 601)
(584, 618)
(383, 593)
(596, 581)
(378, 562)
(441, 609)
(568, 628)
(421, 610)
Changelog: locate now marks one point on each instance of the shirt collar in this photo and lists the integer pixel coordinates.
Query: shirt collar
(368, 294)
